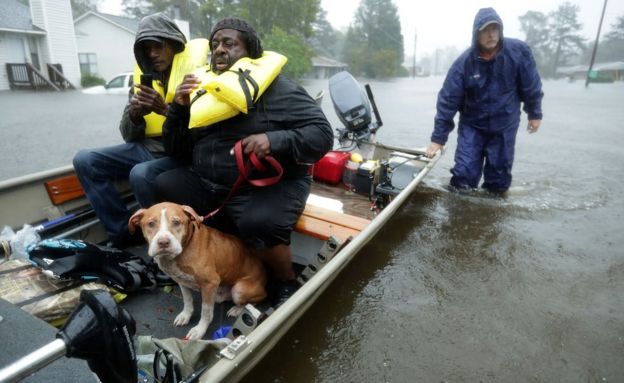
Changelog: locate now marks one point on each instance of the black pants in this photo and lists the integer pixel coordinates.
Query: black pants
(263, 217)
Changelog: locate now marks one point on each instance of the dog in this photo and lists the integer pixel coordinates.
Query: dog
(202, 258)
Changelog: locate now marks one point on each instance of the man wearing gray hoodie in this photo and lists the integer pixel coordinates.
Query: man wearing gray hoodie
(141, 157)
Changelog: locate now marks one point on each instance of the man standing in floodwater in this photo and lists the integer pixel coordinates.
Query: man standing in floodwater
(486, 85)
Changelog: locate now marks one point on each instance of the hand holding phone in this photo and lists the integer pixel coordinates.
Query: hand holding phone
(146, 80)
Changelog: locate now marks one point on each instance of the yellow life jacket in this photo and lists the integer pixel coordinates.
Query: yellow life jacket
(220, 97)
(206, 108)
(242, 84)
(194, 55)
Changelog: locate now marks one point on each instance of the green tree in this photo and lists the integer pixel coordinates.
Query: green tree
(80, 7)
(354, 52)
(284, 26)
(326, 40)
(612, 46)
(378, 61)
(376, 28)
(565, 41)
(617, 30)
(201, 14)
(535, 26)
(209, 13)
(137, 8)
(291, 46)
(292, 16)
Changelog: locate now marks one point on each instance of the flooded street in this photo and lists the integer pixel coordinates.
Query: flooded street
(471, 289)
(455, 288)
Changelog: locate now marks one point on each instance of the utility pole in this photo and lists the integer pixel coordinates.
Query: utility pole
(414, 58)
(593, 57)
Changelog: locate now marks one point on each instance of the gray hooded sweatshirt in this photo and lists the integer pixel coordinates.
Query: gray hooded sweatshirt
(154, 27)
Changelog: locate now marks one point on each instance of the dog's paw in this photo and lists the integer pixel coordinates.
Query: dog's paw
(196, 332)
(235, 311)
(182, 319)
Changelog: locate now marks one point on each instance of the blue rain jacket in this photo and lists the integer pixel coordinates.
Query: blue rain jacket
(487, 94)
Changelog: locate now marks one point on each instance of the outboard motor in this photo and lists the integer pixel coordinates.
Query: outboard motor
(97, 331)
(353, 108)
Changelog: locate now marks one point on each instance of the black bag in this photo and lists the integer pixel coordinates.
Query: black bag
(66, 259)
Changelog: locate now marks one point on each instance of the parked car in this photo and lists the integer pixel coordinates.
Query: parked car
(120, 84)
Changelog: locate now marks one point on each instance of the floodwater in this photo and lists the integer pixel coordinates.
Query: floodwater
(455, 288)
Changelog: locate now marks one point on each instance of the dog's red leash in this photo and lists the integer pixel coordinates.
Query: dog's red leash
(244, 168)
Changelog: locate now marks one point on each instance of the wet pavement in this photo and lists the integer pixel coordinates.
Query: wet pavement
(43, 130)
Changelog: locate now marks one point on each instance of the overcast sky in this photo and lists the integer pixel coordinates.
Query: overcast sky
(441, 23)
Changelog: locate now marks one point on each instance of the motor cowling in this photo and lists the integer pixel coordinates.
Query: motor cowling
(355, 107)
(350, 102)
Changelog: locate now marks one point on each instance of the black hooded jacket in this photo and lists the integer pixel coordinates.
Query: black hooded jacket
(297, 129)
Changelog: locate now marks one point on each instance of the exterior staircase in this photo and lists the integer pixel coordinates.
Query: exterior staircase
(26, 76)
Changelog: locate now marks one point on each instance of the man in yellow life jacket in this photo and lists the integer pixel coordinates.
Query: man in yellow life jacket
(161, 50)
(285, 123)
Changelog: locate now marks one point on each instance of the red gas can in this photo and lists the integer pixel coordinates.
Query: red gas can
(329, 168)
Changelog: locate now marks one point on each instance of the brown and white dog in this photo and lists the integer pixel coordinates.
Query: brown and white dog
(201, 258)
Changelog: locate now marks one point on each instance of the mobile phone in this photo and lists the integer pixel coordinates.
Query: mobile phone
(146, 80)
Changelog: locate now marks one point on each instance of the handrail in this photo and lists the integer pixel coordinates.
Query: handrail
(58, 73)
(33, 76)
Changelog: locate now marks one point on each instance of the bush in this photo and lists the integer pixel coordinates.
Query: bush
(91, 80)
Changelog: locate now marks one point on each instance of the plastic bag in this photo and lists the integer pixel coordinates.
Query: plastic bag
(20, 242)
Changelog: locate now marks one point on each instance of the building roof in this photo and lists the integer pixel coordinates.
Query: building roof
(614, 65)
(572, 69)
(130, 25)
(15, 16)
(322, 61)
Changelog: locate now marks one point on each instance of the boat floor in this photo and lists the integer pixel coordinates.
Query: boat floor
(154, 310)
(352, 203)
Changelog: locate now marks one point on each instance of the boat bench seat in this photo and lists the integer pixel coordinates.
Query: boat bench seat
(322, 223)
(63, 189)
(68, 188)
(318, 222)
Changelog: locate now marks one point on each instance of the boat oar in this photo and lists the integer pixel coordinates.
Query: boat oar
(97, 331)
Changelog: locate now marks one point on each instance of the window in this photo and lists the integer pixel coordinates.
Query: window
(88, 63)
(117, 82)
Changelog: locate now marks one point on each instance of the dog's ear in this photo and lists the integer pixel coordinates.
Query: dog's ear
(192, 213)
(135, 220)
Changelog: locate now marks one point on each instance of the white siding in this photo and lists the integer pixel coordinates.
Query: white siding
(59, 45)
(111, 44)
(4, 57)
